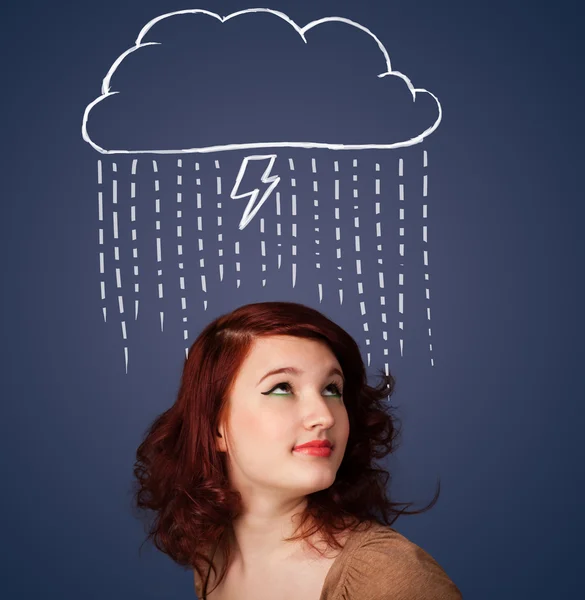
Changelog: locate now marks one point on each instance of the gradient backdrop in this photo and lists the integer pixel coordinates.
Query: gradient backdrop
(494, 409)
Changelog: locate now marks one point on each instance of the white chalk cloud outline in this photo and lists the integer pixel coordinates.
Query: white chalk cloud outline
(301, 31)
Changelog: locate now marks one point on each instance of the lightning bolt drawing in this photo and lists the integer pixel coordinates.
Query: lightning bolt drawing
(273, 180)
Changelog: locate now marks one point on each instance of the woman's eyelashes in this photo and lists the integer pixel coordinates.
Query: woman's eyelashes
(286, 384)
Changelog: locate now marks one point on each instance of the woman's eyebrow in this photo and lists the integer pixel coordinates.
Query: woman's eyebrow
(295, 371)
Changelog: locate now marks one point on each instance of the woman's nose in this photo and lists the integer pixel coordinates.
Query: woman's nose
(318, 408)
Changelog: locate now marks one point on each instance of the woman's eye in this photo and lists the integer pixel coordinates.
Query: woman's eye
(280, 385)
(337, 390)
(283, 385)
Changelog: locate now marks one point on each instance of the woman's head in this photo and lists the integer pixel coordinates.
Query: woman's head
(225, 432)
(240, 348)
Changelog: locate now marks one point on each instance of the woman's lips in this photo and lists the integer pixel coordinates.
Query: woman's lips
(314, 451)
(319, 443)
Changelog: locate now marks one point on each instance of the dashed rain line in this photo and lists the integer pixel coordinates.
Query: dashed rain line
(316, 219)
(401, 252)
(101, 239)
(358, 262)
(219, 222)
(278, 228)
(293, 224)
(134, 249)
(263, 248)
(338, 231)
(425, 252)
(180, 252)
(381, 270)
(158, 242)
(238, 264)
(117, 259)
(200, 239)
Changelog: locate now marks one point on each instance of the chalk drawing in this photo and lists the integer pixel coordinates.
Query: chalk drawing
(330, 208)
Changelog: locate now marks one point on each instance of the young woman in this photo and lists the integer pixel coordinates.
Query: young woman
(236, 499)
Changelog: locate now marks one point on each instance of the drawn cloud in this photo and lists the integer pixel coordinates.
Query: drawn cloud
(198, 82)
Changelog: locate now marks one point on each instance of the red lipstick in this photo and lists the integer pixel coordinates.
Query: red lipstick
(315, 448)
(315, 444)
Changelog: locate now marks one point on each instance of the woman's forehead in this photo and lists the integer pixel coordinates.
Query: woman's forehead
(285, 345)
(287, 352)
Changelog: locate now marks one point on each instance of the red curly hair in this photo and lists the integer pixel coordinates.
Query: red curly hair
(182, 477)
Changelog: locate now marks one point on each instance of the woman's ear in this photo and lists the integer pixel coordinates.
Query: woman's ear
(220, 440)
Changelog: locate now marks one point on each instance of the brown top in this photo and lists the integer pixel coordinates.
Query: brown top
(382, 564)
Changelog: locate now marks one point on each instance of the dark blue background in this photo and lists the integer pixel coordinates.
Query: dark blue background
(499, 418)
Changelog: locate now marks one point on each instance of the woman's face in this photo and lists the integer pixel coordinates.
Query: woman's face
(272, 413)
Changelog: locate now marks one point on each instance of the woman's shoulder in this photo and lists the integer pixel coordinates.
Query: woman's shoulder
(380, 563)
